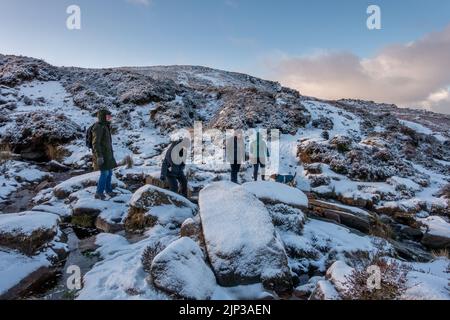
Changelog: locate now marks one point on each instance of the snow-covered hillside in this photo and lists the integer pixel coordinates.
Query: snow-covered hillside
(372, 186)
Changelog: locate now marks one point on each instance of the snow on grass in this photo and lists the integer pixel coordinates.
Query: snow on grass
(345, 123)
(25, 223)
(428, 281)
(277, 192)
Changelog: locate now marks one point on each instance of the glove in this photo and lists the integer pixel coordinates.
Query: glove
(100, 161)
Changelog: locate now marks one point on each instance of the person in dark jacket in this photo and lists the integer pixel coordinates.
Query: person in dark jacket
(259, 154)
(103, 155)
(173, 166)
(235, 153)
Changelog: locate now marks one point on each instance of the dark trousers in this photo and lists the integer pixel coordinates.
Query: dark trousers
(178, 184)
(255, 171)
(234, 172)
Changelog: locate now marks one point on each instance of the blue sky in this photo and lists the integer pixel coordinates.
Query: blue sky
(236, 35)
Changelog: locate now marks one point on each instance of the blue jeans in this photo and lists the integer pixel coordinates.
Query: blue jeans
(104, 182)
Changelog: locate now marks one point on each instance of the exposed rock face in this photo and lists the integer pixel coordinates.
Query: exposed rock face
(240, 239)
(14, 70)
(249, 108)
(150, 205)
(34, 133)
(438, 234)
(27, 231)
(180, 269)
(351, 217)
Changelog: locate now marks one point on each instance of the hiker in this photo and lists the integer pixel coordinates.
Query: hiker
(259, 154)
(103, 155)
(173, 166)
(235, 153)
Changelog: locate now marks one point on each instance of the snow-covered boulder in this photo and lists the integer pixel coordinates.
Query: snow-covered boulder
(64, 189)
(105, 215)
(150, 205)
(274, 192)
(438, 235)
(181, 270)
(339, 274)
(325, 291)
(27, 231)
(18, 272)
(240, 238)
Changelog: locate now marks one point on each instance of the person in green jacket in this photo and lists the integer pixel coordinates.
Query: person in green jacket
(259, 154)
(103, 154)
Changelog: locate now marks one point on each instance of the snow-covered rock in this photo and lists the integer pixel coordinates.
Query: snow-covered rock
(180, 269)
(325, 291)
(438, 234)
(27, 231)
(19, 272)
(150, 205)
(240, 238)
(64, 189)
(339, 274)
(274, 192)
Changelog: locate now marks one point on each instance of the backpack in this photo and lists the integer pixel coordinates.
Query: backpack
(89, 136)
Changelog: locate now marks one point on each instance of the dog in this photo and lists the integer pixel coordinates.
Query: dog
(288, 179)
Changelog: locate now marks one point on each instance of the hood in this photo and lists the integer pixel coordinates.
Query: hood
(101, 115)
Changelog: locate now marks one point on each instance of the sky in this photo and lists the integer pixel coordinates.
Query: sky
(323, 48)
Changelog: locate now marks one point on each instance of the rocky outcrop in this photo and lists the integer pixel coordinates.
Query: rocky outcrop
(35, 135)
(355, 218)
(438, 234)
(15, 70)
(151, 205)
(180, 269)
(240, 239)
(27, 232)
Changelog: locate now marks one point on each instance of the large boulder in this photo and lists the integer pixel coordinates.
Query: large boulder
(240, 239)
(27, 231)
(180, 269)
(150, 205)
(438, 235)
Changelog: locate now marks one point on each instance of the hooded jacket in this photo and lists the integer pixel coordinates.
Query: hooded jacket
(102, 142)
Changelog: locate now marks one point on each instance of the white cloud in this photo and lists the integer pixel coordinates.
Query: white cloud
(414, 74)
(140, 2)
